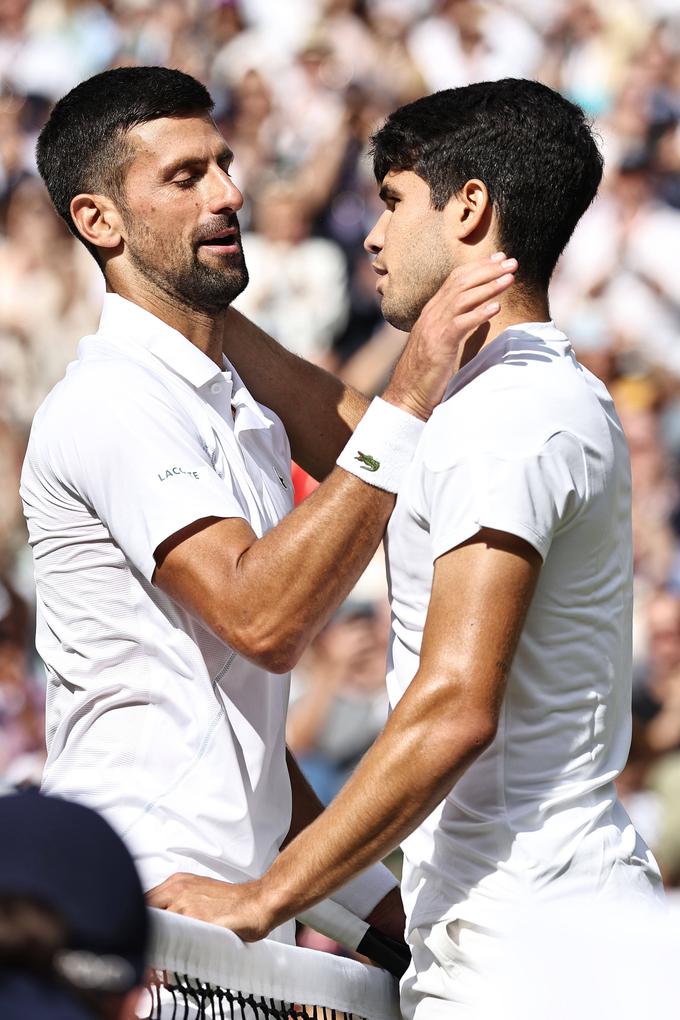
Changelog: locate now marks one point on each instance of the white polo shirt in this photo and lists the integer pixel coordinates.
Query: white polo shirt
(151, 719)
(527, 442)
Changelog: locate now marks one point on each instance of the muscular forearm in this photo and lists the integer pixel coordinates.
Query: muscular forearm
(421, 753)
(290, 581)
(318, 411)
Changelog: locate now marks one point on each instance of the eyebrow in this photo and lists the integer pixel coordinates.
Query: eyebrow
(225, 155)
(387, 192)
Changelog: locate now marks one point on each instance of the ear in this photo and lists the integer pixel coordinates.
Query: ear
(470, 209)
(98, 220)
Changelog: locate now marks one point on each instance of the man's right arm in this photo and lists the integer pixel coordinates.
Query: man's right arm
(318, 410)
(268, 597)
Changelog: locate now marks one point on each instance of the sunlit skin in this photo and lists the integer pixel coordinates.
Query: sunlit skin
(178, 193)
(413, 248)
(417, 246)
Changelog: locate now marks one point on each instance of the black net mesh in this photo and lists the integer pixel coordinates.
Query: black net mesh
(179, 997)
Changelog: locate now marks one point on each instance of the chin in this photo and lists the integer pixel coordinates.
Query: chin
(400, 318)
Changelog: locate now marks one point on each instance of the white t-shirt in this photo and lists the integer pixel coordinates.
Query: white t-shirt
(527, 442)
(152, 719)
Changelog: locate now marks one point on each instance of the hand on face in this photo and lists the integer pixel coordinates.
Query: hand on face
(237, 907)
(466, 301)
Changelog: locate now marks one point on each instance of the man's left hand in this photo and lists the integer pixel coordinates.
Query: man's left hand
(237, 907)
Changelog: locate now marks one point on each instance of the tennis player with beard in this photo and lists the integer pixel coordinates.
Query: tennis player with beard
(510, 569)
(176, 586)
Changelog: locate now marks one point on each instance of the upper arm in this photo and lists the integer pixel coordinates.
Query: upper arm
(319, 412)
(197, 567)
(481, 593)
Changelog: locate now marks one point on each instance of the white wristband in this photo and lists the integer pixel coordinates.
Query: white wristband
(362, 893)
(382, 446)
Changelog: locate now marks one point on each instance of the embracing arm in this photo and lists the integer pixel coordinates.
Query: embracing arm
(318, 410)
(447, 717)
(268, 597)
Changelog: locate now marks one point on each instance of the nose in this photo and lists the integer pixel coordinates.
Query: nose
(375, 240)
(224, 194)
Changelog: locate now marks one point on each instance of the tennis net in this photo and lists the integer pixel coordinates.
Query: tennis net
(202, 971)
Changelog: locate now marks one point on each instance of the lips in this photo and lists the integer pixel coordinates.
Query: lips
(382, 272)
(224, 240)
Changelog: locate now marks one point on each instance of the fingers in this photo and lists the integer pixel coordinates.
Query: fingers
(161, 895)
(479, 272)
(475, 297)
(472, 288)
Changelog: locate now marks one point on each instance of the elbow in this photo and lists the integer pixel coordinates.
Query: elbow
(279, 659)
(480, 733)
(272, 649)
(472, 735)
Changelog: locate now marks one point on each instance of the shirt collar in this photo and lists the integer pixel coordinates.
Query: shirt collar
(521, 335)
(127, 322)
(249, 414)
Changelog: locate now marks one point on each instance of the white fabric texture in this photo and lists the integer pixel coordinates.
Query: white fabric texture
(382, 445)
(527, 442)
(151, 719)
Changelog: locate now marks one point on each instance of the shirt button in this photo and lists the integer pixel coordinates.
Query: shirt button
(216, 388)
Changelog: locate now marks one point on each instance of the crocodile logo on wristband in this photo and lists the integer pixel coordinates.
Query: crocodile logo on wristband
(367, 462)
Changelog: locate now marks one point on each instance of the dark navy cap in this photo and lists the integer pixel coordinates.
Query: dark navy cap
(66, 857)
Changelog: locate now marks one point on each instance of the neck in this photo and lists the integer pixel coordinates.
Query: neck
(204, 330)
(522, 309)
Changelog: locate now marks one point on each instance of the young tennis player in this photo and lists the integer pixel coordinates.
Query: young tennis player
(510, 569)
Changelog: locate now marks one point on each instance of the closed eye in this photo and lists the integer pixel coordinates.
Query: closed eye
(187, 182)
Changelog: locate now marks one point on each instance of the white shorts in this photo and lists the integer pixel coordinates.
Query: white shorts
(451, 961)
(586, 958)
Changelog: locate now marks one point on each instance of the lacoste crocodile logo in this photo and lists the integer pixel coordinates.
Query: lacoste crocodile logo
(367, 462)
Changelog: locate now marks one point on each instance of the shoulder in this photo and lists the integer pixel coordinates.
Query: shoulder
(103, 384)
(104, 400)
(515, 407)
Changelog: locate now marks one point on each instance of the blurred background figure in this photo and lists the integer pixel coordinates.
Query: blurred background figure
(73, 922)
(297, 289)
(299, 88)
(339, 701)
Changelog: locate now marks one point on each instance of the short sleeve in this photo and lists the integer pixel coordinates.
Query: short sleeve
(532, 496)
(141, 465)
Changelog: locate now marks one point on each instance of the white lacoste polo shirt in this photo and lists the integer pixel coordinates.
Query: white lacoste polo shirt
(151, 719)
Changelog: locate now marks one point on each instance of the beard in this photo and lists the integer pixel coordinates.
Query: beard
(414, 284)
(182, 275)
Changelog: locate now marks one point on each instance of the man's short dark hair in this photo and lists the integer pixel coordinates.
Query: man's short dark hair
(83, 149)
(531, 147)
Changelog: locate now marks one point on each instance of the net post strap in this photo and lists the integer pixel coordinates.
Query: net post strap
(270, 969)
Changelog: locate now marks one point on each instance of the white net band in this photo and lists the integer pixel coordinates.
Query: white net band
(218, 974)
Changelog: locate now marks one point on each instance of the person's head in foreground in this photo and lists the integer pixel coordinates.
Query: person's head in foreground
(507, 165)
(138, 170)
(73, 923)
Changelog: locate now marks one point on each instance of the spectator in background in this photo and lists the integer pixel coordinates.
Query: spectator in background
(298, 282)
(49, 293)
(650, 784)
(21, 707)
(73, 923)
(338, 699)
(656, 699)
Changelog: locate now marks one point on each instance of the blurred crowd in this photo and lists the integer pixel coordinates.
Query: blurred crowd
(299, 86)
